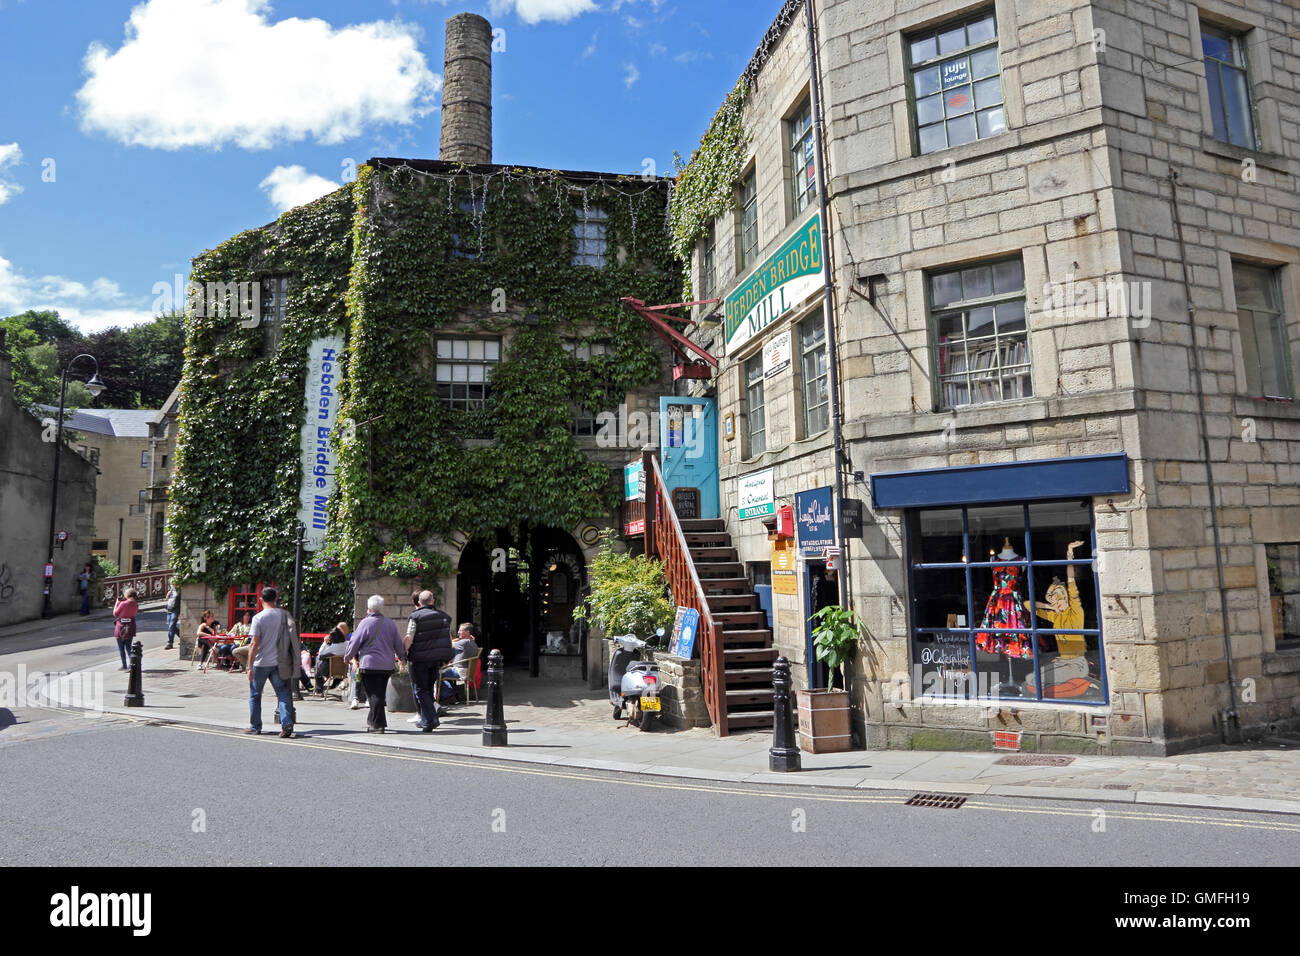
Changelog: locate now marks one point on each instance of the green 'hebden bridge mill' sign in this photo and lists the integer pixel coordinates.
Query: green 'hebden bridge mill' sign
(783, 281)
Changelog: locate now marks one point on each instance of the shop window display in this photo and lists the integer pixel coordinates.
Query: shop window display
(1005, 602)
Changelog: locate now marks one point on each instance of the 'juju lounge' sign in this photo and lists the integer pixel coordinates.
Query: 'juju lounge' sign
(783, 281)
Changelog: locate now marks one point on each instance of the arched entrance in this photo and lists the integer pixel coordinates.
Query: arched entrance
(520, 595)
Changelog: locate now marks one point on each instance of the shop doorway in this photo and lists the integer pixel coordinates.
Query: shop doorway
(520, 594)
(821, 589)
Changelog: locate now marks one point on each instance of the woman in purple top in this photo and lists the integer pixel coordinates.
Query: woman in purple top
(378, 649)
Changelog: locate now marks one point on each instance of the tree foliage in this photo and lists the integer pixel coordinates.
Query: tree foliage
(139, 366)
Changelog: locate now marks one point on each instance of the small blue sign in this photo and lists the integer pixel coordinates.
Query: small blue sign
(684, 638)
(814, 527)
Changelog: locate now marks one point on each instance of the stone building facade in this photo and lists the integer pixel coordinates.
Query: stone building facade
(132, 448)
(1066, 273)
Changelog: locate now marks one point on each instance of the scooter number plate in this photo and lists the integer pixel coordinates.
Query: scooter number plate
(649, 703)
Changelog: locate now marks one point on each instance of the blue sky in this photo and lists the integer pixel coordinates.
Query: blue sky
(135, 135)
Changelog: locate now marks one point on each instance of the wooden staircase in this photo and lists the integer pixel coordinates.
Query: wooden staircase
(747, 651)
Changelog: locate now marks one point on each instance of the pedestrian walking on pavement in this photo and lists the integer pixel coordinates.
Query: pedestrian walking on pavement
(273, 655)
(84, 581)
(173, 616)
(428, 649)
(124, 615)
(377, 649)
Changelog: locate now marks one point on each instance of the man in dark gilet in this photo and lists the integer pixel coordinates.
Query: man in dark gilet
(428, 648)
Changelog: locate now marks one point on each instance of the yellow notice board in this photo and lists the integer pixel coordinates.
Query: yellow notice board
(784, 578)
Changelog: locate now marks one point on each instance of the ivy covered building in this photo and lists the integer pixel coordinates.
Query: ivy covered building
(418, 360)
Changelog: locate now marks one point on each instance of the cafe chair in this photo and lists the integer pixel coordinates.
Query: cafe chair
(338, 668)
(450, 673)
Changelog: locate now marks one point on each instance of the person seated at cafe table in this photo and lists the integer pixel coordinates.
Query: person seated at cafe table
(334, 646)
(205, 635)
(238, 635)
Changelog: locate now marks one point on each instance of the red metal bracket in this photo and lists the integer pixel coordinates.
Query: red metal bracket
(676, 341)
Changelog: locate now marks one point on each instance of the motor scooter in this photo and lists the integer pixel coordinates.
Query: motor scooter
(633, 684)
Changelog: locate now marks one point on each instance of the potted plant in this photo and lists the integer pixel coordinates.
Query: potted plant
(403, 564)
(824, 725)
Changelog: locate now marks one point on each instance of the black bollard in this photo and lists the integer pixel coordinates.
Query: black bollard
(135, 681)
(494, 720)
(784, 755)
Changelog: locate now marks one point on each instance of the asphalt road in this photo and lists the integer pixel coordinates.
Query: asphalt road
(121, 792)
(78, 791)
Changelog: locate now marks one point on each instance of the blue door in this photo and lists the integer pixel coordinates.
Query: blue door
(688, 449)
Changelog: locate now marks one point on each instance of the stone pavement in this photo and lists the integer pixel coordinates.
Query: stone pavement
(569, 725)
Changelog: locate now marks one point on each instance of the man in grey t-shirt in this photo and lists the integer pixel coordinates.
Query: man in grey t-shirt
(270, 630)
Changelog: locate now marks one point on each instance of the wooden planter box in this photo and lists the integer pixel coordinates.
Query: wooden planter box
(824, 721)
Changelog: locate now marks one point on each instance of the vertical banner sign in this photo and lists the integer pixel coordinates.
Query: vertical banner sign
(319, 457)
(812, 521)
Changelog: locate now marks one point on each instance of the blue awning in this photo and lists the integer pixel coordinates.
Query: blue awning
(1008, 481)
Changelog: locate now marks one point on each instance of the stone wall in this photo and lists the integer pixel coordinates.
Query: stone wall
(26, 476)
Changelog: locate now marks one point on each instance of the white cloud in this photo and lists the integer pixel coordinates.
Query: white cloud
(658, 49)
(591, 47)
(210, 72)
(99, 305)
(633, 23)
(630, 75)
(535, 11)
(690, 56)
(10, 155)
(290, 186)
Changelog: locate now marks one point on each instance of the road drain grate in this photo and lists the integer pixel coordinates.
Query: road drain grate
(1034, 760)
(1114, 786)
(944, 801)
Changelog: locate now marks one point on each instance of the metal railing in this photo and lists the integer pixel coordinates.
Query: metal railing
(666, 541)
(149, 586)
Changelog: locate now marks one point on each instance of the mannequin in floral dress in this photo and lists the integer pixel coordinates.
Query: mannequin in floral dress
(1004, 610)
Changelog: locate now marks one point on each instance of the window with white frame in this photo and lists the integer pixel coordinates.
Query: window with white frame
(1265, 346)
(977, 314)
(956, 83)
(1228, 82)
(464, 370)
(755, 406)
(144, 459)
(589, 233)
(803, 168)
(748, 211)
(814, 375)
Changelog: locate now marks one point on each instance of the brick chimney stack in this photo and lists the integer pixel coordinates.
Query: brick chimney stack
(467, 91)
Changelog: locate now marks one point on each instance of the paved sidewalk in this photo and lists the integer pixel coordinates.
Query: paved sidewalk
(569, 725)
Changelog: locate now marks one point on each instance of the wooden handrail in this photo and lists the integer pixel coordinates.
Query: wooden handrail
(665, 538)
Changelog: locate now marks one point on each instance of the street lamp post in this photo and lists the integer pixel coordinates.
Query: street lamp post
(95, 386)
